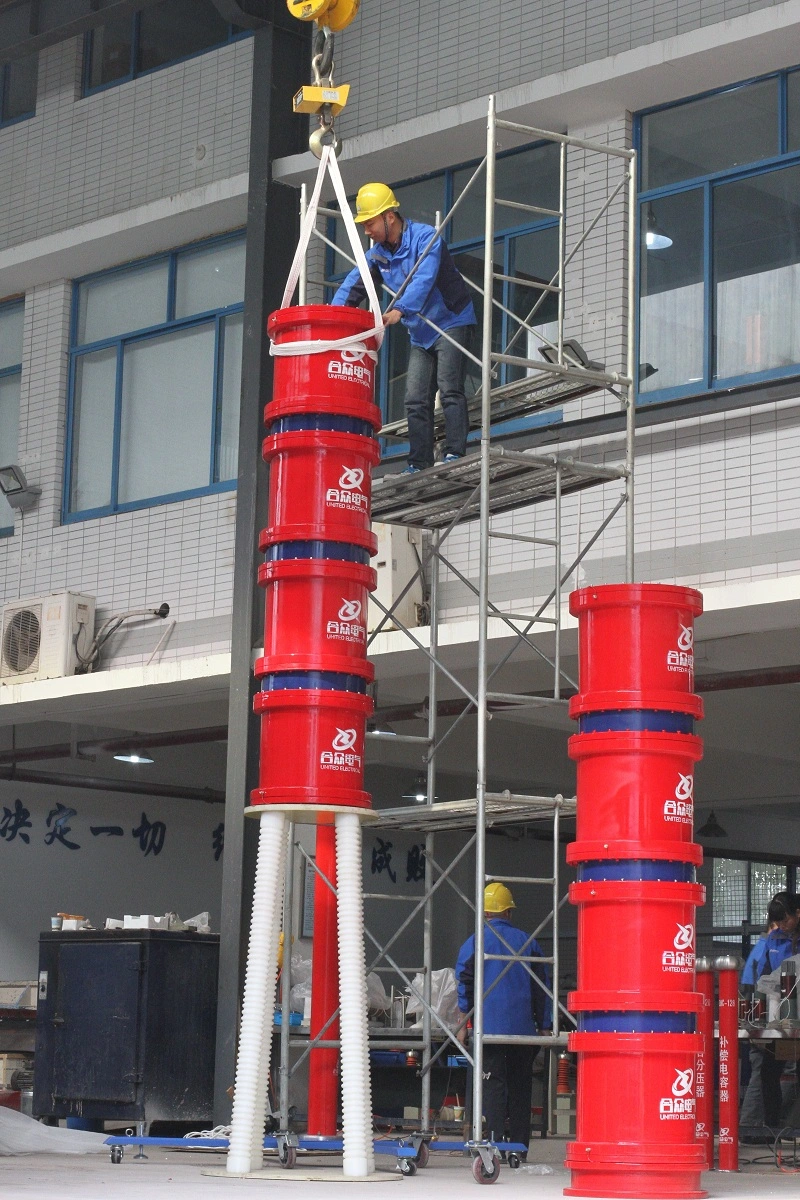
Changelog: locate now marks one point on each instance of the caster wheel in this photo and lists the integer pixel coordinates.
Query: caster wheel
(287, 1156)
(514, 1161)
(407, 1166)
(479, 1172)
(116, 1154)
(423, 1154)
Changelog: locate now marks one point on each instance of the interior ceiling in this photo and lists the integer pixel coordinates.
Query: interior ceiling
(751, 733)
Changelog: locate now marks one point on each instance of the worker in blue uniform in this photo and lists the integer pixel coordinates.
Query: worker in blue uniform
(436, 291)
(515, 1004)
(783, 920)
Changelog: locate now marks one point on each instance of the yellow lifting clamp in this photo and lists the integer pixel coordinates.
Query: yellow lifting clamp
(323, 97)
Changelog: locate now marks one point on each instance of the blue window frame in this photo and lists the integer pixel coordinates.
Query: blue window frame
(719, 240)
(18, 80)
(528, 250)
(155, 378)
(11, 317)
(128, 46)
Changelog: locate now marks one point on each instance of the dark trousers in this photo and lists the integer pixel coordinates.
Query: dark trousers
(441, 368)
(771, 1071)
(507, 1084)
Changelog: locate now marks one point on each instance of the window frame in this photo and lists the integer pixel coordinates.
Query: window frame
(134, 73)
(392, 448)
(7, 122)
(149, 333)
(746, 930)
(7, 373)
(711, 387)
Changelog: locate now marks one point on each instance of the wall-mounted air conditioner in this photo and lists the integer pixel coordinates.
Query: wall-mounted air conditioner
(396, 563)
(39, 638)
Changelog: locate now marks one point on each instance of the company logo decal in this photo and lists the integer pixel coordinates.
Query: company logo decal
(680, 811)
(341, 756)
(680, 1106)
(349, 493)
(682, 659)
(351, 366)
(349, 626)
(680, 961)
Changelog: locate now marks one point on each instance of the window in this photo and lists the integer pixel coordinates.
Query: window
(11, 316)
(741, 892)
(719, 239)
(524, 248)
(18, 89)
(155, 380)
(127, 46)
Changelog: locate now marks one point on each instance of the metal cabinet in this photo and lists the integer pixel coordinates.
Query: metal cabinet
(126, 1024)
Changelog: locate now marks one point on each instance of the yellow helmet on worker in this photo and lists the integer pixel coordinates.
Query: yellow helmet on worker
(374, 199)
(497, 898)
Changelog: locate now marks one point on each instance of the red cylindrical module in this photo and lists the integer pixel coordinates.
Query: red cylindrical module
(636, 793)
(636, 1117)
(704, 1081)
(331, 381)
(635, 647)
(637, 940)
(320, 486)
(323, 1072)
(728, 1056)
(316, 614)
(312, 747)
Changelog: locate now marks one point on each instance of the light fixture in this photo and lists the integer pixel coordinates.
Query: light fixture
(418, 791)
(574, 355)
(16, 489)
(133, 756)
(655, 238)
(712, 828)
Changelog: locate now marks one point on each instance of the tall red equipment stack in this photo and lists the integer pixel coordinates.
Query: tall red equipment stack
(636, 894)
(321, 446)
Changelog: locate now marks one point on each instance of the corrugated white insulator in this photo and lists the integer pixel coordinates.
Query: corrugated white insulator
(359, 1157)
(245, 1151)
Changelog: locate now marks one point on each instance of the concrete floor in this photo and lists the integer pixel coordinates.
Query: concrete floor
(180, 1174)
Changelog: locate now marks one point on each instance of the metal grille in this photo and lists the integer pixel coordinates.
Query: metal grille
(21, 641)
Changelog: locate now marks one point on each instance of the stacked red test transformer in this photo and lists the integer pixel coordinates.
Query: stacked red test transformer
(321, 448)
(636, 894)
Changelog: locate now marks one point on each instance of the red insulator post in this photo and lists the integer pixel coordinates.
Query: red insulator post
(728, 983)
(323, 1067)
(704, 1081)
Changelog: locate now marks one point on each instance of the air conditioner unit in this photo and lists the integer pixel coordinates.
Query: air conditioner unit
(40, 637)
(396, 563)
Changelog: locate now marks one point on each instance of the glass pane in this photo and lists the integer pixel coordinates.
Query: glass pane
(228, 449)
(765, 880)
(9, 431)
(93, 430)
(671, 305)
(210, 279)
(122, 302)
(470, 264)
(422, 200)
(20, 90)
(11, 317)
(167, 406)
(110, 51)
(712, 134)
(177, 28)
(793, 111)
(757, 273)
(534, 256)
(530, 177)
(730, 891)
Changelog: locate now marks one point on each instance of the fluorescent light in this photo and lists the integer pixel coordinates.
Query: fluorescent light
(134, 756)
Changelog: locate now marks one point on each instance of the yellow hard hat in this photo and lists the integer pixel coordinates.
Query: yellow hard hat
(374, 199)
(497, 898)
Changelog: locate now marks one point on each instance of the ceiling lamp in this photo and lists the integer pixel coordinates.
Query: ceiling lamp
(134, 756)
(655, 238)
(712, 828)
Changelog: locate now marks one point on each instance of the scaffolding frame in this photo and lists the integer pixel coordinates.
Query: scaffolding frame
(495, 481)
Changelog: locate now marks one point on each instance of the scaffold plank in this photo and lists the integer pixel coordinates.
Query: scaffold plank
(502, 808)
(435, 497)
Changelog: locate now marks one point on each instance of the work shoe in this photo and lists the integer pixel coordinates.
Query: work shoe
(448, 458)
(411, 470)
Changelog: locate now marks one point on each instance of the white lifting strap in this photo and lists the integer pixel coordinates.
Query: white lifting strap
(354, 341)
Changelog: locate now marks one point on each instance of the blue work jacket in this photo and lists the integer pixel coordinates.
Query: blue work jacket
(767, 954)
(436, 290)
(516, 1004)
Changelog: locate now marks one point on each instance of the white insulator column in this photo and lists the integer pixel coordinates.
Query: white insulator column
(359, 1157)
(245, 1152)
